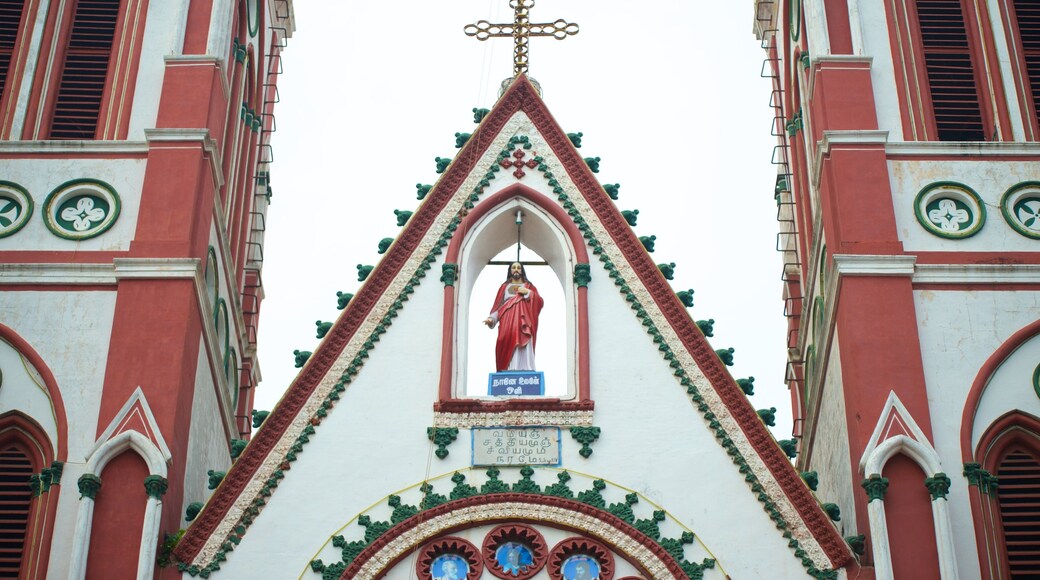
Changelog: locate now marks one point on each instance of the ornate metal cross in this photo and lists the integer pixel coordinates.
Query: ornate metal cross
(521, 29)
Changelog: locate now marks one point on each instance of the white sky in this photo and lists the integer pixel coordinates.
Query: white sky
(671, 100)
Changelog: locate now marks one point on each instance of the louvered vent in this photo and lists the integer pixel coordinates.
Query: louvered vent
(951, 77)
(15, 495)
(1028, 14)
(1019, 497)
(78, 104)
(10, 18)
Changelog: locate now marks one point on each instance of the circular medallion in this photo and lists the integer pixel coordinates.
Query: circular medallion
(1036, 380)
(449, 558)
(794, 18)
(81, 209)
(16, 207)
(950, 210)
(1020, 206)
(514, 552)
(253, 17)
(580, 559)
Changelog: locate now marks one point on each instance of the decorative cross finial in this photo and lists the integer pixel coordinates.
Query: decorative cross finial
(521, 30)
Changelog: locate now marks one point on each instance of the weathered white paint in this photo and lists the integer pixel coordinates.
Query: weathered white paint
(23, 390)
(989, 178)
(41, 176)
(877, 44)
(163, 35)
(207, 445)
(1009, 388)
(22, 104)
(1003, 62)
(959, 331)
(831, 457)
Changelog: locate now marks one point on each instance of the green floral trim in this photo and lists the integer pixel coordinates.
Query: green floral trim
(373, 530)
(980, 478)
(89, 485)
(875, 486)
(448, 273)
(938, 485)
(582, 275)
(442, 437)
(586, 436)
(155, 486)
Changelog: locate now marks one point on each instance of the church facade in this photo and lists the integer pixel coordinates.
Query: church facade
(907, 198)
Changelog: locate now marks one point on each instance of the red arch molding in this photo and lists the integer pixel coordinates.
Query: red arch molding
(581, 256)
(61, 445)
(500, 498)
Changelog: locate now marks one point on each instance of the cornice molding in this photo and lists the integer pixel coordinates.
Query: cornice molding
(872, 265)
(977, 274)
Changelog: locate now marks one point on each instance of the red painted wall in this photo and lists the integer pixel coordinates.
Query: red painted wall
(115, 540)
(911, 531)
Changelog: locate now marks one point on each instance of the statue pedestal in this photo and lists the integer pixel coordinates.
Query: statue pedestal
(516, 384)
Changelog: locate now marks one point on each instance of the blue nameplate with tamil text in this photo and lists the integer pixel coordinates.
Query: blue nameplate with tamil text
(516, 384)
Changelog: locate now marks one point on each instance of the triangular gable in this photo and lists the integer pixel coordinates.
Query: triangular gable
(896, 430)
(721, 402)
(135, 415)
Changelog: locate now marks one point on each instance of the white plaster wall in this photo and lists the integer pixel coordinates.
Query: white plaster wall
(207, 446)
(374, 443)
(23, 390)
(989, 179)
(1010, 387)
(71, 333)
(959, 330)
(877, 45)
(830, 456)
(163, 35)
(1003, 62)
(41, 176)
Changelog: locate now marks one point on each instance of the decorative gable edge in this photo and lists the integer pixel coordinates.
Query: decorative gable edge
(897, 431)
(340, 356)
(135, 407)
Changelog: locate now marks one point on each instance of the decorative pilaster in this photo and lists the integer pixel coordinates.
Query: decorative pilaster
(938, 485)
(876, 487)
(586, 436)
(442, 437)
(582, 275)
(155, 486)
(89, 485)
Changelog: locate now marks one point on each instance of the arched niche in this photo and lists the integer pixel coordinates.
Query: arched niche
(485, 232)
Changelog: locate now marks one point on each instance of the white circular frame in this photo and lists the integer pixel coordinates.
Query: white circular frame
(20, 196)
(948, 225)
(84, 188)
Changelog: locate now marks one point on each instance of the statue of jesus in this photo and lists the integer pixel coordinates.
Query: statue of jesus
(516, 313)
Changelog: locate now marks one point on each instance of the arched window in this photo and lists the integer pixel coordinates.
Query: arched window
(1018, 497)
(1022, 21)
(16, 466)
(481, 249)
(13, 37)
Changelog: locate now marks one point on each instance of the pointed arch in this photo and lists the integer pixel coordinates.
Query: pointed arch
(60, 446)
(1015, 431)
(26, 450)
(570, 253)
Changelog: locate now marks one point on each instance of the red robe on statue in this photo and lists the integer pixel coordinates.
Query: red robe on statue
(517, 322)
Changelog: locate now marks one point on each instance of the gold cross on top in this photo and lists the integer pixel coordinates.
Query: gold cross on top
(521, 29)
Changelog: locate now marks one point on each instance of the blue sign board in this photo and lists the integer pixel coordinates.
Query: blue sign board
(516, 383)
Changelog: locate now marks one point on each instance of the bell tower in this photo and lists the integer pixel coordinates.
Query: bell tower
(136, 142)
(907, 200)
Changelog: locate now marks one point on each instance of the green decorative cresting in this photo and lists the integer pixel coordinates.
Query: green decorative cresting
(259, 417)
(575, 139)
(648, 242)
(442, 437)
(421, 190)
(980, 478)
(363, 270)
(448, 273)
(442, 163)
(593, 163)
(812, 480)
(155, 486)
(938, 485)
(667, 270)
(384, 245)
(403, 216)
(237, 447)
(612, 190)
(192, 511)
(586, 436)
(342, 299)
(686, 297)
(747, 385)
(321, 329)
(215, 477)
(707, 327)
(768, 416)
(89, 485)
(790, 447)
(833, 511)
(875, 486)
(461, 138)
(631, 216)
(479, 114)
(857, 543)
(726, 355)
(582, 275)
(300, 357)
